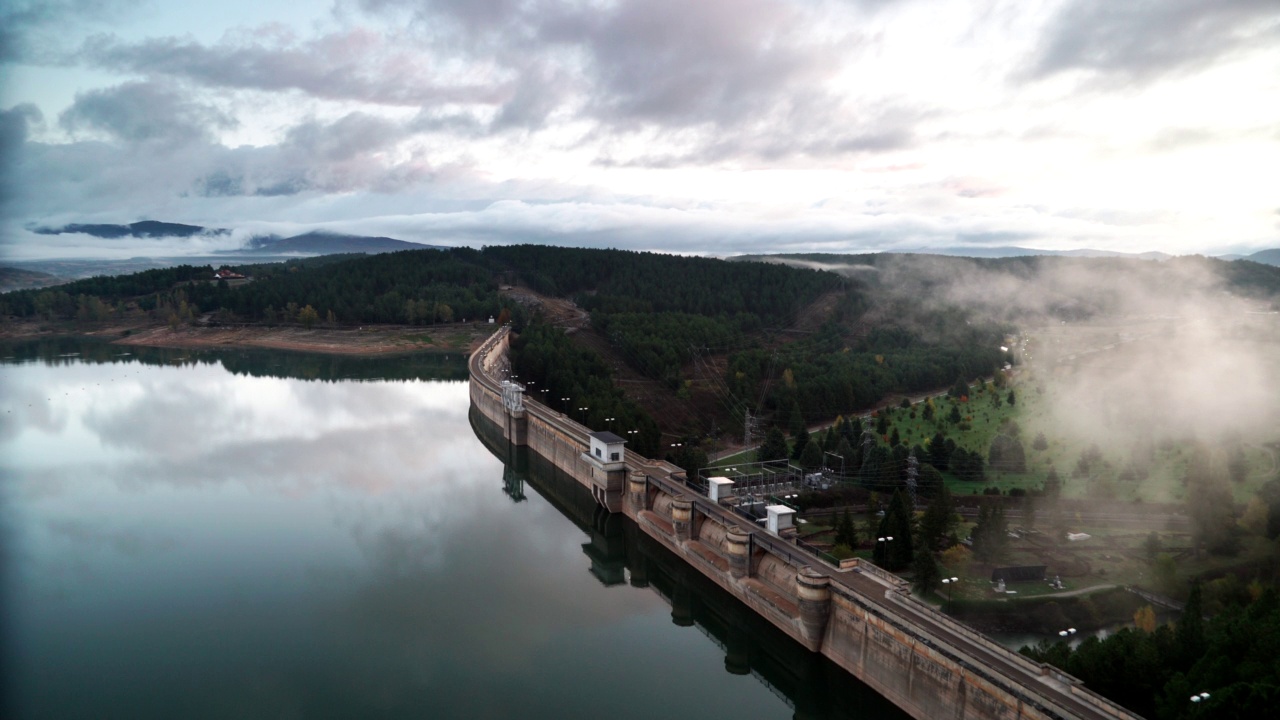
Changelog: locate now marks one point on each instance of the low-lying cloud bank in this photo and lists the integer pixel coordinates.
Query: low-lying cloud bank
(1129, 353)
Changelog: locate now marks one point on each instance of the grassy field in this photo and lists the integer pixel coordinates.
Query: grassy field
(1159, 479)
(983, 417)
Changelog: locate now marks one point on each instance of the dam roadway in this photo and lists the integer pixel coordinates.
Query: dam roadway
(861, 617)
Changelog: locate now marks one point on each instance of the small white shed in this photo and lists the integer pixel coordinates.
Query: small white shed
(780, 518)
(719, 488)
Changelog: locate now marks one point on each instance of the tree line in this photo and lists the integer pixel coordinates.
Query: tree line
(1226, 663)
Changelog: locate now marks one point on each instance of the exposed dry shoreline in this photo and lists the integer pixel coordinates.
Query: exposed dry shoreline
(367, 340)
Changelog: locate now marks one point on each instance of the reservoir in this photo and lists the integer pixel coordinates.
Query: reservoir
(281, 535)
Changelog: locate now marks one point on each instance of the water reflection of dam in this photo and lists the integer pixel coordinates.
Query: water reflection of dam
(618, 554)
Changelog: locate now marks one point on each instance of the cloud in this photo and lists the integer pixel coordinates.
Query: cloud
(355, 64)
(15, 127)
(822, 135)
(1142, 41)
(680, 64)
(142, 112)
(34, 29)
(747, 78)
(156, 148)
(356, 152)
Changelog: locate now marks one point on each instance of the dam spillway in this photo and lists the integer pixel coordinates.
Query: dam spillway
(862, 618)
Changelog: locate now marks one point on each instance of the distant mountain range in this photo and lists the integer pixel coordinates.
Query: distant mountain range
(1014, 251)
(12, 278)
(317, 242)
(1267, 257)
(323, 243)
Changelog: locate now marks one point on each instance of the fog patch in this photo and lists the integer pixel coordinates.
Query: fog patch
(1129, 355)
(846, 269)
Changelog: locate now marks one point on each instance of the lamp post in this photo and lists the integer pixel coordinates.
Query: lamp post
(948, 582)
(565, 403)
(1200, 697)
(609, 421)
(584, 410)
(1066, 633)
(884, 554)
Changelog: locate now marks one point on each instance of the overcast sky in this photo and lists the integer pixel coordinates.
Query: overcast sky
(700, 126)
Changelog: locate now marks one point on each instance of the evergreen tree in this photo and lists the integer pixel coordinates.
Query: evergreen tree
(991, 533)
(1210, 505)
(811, 456)
(895, 554)
(938, 521)
(1052, 484)
(774, 447)
(1006, 454)
(939, 453)
(801, 442)
(846, 532)
(1189, 634)
(830, 440)
(846, 453)
(928, 576)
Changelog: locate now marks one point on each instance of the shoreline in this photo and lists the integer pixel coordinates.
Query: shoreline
(369, 340)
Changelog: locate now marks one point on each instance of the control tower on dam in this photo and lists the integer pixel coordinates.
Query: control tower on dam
(861, 617)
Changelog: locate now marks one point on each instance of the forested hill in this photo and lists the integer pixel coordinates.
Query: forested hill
(677, 320)
(379, 289)
(618, 281)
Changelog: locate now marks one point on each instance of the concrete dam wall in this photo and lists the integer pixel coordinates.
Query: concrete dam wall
(860, 617)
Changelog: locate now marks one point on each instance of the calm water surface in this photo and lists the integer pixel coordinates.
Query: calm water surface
(227, 539)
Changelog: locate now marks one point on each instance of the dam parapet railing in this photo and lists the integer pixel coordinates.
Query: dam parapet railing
(857, 614)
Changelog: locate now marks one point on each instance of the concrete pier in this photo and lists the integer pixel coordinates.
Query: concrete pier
(862, 618)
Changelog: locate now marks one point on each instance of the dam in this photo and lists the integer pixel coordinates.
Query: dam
(861, 618)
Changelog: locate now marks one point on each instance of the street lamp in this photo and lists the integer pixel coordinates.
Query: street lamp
(884, 552)
(1200, 697)
(584, 410)
(948, 582)
(1067, 633)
